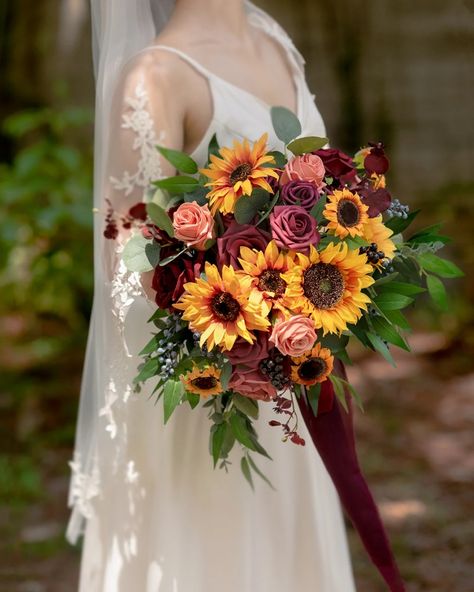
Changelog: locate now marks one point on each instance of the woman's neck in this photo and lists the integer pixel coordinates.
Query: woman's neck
(218, 18)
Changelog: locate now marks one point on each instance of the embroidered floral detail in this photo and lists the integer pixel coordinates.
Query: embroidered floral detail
(125, 287)
(137, 118)
(84, 487)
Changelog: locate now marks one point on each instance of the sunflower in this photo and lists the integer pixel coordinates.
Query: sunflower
(345, 213)
(313, 367)
(238, 173)
(223, 308)
(266, 269)
(376, 232)
(327, 286)
(203, 381)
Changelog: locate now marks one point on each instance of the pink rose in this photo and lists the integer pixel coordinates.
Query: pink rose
(236, 236)
(293, 228)
(294, 337)
(308, 167)
(193, 224)
(247, 353)
(252, 383)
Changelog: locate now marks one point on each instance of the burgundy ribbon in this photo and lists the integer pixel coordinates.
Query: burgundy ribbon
(332, 432)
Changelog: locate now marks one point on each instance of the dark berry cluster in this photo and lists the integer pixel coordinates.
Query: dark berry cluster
(274, 368)
(397, 210)
(374, 256)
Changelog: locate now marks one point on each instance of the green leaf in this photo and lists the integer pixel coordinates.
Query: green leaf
(225, 375)
(179, 160)
(171, 258)
(280, 159)
(199, 195)
(286, 124)
(177, 184)
(247, 208)
(335, 342)
(429, 235)
(399, 288)
(229, 441)
(408, 270)
(307, 144)
(147, 370)
(172, 397)
(269, 207)
(244, 465)
(397, 318)
(152, 252)
(213, 147)
(217, 440)
(355, 242)
(442, 267)
(360, 333)
(339, 391)
(193, 399)
(389, 301)
(245, 405)
(380, 346)
(241, 431)
(259, 472)
(314, 392)
(398, 225)
(318, 209)
(134, 254)
(437, 291)
(160, 217)
(386, 331)
(151, 346)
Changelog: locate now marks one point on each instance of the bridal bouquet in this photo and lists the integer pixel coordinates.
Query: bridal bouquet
(265, 266)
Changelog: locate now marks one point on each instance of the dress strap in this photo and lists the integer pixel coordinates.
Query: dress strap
(187, 58)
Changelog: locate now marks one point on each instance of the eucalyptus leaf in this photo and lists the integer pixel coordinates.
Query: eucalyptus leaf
(285, 123)
(159, 216)
(307, 144)
(152, 252)
(179, 160)
(171, 258)
(172, 396)
(134, 254)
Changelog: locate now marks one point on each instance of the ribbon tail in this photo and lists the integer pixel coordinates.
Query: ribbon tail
(333, 435)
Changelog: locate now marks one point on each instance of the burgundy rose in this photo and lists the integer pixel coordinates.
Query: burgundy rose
(168, 280)
(299, 193)
(293, 228)
(236, 236)
(338, 164)
(247, 353)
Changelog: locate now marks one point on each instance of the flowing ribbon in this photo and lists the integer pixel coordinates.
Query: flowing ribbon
(332, 432)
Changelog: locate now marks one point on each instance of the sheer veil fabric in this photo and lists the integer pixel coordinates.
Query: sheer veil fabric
(155, 515)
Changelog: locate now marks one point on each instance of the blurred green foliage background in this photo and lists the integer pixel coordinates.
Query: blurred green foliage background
(381, 69)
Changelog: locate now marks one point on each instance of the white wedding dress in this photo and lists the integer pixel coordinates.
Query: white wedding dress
(158, 517)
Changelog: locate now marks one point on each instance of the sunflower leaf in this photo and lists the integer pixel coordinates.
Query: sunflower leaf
(285, 123)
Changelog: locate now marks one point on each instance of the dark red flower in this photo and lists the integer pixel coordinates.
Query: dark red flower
(337, 163)
(377, 200)
(138, 211)
(236, 236)
(376, 161)
(300, 193)
(168, 280)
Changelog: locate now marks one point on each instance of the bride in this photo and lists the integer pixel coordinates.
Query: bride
(155, 515)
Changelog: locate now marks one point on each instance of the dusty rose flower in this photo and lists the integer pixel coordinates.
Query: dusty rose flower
(293, 228)
(247, 353)
(300, 193)
(308, 167)
(294, 337)
(193, 224)
(252, 383)
(236, 236)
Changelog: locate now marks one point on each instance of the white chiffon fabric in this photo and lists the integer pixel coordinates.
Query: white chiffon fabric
(158, 517)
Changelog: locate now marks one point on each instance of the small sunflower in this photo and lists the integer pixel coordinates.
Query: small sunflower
(203, 381)
(266, 269)
(238, 173)
(223, 308)
(327, 286)
(376, 232)
(313, 367)
(345, 213)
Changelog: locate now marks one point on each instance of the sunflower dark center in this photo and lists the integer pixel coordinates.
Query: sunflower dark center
(271, 281)
(204, 383)
(323, 285)
(240, 173)
(348, 214)
(225, 306)
(312, 368)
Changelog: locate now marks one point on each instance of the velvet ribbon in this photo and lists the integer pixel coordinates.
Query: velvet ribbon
(332, 432)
